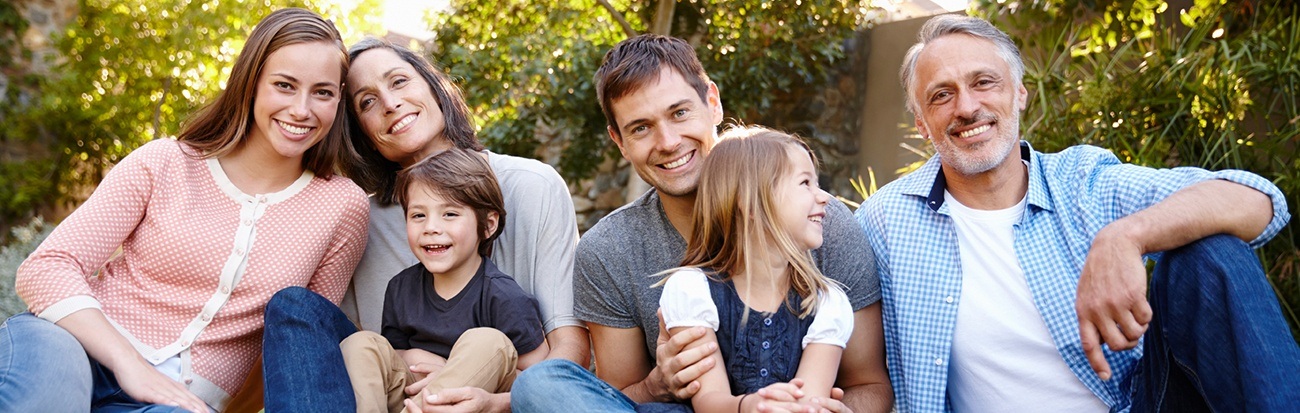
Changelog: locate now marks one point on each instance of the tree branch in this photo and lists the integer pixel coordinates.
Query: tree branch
(627, 28)
(663, 23)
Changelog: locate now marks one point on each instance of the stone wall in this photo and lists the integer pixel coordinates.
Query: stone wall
(45, 18)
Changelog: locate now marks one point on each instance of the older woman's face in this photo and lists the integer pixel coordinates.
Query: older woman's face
(395, 107)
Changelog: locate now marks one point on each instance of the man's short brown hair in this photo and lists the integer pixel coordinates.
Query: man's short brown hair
(634, 63)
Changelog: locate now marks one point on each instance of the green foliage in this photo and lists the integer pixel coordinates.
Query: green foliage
(1214, 87)
(130, 72)
(12, 26)
(25, 240)
(526, 69)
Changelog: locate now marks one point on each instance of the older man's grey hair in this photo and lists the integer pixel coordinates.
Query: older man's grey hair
(948, 24)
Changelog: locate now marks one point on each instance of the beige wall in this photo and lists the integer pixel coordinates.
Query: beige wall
(885, 120)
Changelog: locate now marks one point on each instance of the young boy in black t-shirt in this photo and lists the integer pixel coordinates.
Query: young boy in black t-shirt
(453, 314)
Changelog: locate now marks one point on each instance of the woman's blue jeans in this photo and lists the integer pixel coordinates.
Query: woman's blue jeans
(43, 368)
(301, 362)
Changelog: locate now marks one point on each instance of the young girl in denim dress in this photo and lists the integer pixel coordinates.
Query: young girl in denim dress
(749, 277)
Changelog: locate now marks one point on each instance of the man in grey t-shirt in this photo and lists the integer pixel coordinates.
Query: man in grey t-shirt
(663, 114)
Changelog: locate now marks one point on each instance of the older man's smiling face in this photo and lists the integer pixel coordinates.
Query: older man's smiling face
(968, 103)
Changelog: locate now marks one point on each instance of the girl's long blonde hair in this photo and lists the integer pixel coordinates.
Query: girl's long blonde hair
(736, 211)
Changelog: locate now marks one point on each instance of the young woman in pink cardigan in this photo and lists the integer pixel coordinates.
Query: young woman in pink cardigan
(242, 204)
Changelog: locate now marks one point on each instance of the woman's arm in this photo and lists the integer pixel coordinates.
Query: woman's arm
(55, 274)
(138, 378)
(335, 270)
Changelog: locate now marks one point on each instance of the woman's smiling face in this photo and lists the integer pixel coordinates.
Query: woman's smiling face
(395, 107)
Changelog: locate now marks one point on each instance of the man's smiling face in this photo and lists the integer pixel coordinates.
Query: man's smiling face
(665, 130)
(968, 103)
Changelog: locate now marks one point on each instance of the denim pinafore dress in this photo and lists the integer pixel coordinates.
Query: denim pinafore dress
(766, 348)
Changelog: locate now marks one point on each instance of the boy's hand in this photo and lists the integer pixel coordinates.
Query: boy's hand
(415, 403)
(465, 400)
(426, 372)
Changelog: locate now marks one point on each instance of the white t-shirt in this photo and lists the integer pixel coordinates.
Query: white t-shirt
(1003, 358)
(686, 302)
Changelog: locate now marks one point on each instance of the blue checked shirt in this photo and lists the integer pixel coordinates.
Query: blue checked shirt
(1072, 195)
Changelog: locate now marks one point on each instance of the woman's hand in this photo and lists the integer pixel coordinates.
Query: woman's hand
(146, 384)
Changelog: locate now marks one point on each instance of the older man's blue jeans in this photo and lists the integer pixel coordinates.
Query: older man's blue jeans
(1218, 341)
(43, 368)
(301, 362)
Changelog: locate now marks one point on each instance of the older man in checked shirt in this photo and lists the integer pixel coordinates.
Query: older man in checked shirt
(1005, 270)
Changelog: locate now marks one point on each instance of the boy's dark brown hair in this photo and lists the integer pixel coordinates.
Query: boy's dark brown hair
(635, 63)
(461, 176)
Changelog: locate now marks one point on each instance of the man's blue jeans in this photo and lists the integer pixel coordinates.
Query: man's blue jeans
(301, 362)
(43, 368)
(1218, 339)
(562, 385)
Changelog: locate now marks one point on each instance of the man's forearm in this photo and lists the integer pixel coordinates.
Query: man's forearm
(640, 392)
(1195, 212)
(869, 398)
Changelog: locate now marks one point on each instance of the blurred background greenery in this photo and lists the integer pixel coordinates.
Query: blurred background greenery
(1210, 83)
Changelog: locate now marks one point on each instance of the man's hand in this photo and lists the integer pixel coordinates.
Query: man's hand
(833, 404)
(146, 384)
(1112, 303)
(676, 373)
(461, 400)
(426, 372)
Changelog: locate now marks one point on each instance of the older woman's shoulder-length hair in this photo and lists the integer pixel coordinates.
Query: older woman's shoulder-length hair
(366, 166)
(220, 126)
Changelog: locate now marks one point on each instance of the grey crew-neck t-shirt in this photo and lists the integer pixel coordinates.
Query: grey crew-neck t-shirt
(617, 258)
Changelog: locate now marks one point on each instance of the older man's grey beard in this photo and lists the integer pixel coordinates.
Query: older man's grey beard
(978, 157)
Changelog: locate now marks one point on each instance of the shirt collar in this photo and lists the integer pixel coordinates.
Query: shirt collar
(1038, 195)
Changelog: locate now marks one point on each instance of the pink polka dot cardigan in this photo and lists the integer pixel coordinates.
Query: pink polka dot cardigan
(198, 259)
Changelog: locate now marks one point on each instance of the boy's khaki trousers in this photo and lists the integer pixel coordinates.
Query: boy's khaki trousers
(482, 357)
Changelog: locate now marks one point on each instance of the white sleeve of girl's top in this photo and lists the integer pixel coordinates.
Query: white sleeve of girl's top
(833, 322)
(686, 301)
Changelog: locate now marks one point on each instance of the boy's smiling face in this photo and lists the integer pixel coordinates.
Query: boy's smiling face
(442, 233)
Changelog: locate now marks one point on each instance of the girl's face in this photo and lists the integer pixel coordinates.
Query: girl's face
(801, 204)
(395, 107)
(297, 98)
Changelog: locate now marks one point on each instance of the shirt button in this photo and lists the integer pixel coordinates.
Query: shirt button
(225, 289)
(767, 344)
(207, 317)
(948, 300)
(767, 321)
(938, 362)
(239, 252)
(189, 380)
(247, 222)
(185, 343)
(762, 372)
